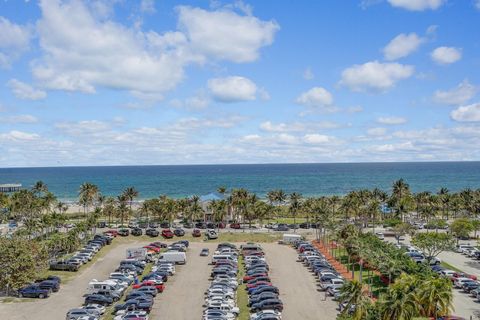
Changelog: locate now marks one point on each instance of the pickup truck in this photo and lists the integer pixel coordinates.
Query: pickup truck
(64, 266)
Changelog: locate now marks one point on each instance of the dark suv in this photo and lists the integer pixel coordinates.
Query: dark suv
(33, 291)
(123, 232)
(64, 266)
(152, 232)
(137, 232)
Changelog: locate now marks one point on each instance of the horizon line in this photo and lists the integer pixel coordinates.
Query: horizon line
(237, 164)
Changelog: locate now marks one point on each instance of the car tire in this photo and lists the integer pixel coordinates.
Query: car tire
(41, 296)
(20, 295)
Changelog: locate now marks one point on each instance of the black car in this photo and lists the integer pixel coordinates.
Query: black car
(272, 304)
(123, 232)
(136, 294)
(98, 299)
(102, 224)
(64, 266)
(165, 225)
(152, 232)
(51, 285)
(188, 225)
(33, 291)
(266, 289)
(153, 225)
(105, 239)
(51, 278)
(179, 232)
(304, 225)
(200, 225)
(136, 232)
(134, 304)
(261, 297)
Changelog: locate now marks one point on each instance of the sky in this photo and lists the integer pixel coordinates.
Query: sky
(117, 82)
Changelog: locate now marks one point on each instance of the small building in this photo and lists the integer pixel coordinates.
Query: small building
(10, 187)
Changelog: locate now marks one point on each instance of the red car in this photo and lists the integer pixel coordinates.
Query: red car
(196, 233)
(153, 248)
(222, 225)
(150, 283)
(248, 278)
(158, 244)
(235, 225)
(258, 283)
(112, 232)
(167, 234)
(463, 275)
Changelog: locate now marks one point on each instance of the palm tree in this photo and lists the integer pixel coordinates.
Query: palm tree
(130, 194)
(87, 194)
(195, 209)
(294, 207)
(435, 297)
(39, 187)
(444, 195)
(355, 296)
(122, 208)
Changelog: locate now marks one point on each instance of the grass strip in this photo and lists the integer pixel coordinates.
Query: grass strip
(242, 296)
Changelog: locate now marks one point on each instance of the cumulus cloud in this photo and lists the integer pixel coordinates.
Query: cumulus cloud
(103, 53)
(317, 98)
(446, 55)
(375, 76)
(233, 89)
(18, 136)
(470, 113)
(316, 138)
(14, 40)
(22, 118)
(226, 35)
(147, 6)
(25, 91)
(402, 45)
(377, 131)
(268, 126)
(391, 120)
(461, 94)
(417, 5)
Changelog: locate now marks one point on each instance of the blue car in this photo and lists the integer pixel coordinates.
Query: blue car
(33, 291)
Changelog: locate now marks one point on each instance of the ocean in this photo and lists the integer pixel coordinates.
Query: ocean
(307, 179)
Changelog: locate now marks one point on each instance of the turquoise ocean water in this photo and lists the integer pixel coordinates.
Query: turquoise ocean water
(307, 179)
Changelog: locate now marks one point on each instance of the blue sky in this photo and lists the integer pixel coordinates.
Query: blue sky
(113, 82)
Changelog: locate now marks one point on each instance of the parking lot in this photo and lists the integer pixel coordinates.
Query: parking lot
(71, 293)
(184, 294)
(298, 288)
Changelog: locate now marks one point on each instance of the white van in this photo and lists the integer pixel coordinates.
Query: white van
(174, 256)
(96, 286)
(291, 238)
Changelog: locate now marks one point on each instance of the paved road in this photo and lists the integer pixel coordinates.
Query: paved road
(70, 294)
(298, 288)
(183, 297)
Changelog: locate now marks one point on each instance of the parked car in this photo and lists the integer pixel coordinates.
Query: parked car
(123, 232)
(211, 234)
(77, 314)
(152, 232)
(179, 232)
(167, 233)
(98, 299)
(64, 265)
(137, 232)
(51, 285)
(235, 225)
(33, 291)
(196, 233)
(205, 252)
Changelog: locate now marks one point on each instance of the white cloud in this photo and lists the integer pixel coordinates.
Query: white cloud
(268, 126)
(232, 89)
(22, 118)
(317, 98)
(226, 35)
(376, 131)
(316, 138)
(24, 91)
(147, 6)
(446, 55)
(18, 136)
(470, 113)
(417, 5)
(375, 76)
(308, 74)
(104, 53)
(402, 45)
(461, 94)
(477, 4)
(391, 120)
(14, 40)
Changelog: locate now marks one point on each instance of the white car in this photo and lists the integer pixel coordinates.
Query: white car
(458, 283)
(224, 307)
(120, 315)
(260, 314)
(95, 308)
